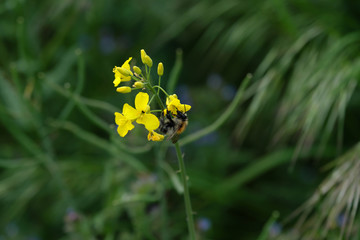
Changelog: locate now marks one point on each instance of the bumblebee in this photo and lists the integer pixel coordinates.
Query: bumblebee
(173, 125)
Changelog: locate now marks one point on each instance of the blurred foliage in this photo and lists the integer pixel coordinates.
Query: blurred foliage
(66, 174)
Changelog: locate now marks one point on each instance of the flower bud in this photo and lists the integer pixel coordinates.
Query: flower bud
(160, 69)
(143, 54)
(138, 84)
(124, 72)
(137, 70)
(123, 89)
(148, 61)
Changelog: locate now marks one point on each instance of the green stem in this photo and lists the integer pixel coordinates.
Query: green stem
(160, 88)
(156, 96)
(159, 84)
(146, 72)
(151, 99)
(157, 110)
(189, 213)
(163, 201)
(135, 78)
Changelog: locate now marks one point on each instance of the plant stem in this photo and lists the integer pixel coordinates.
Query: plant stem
(152, 90)
(158, 91)
(189, 213)
(163, 201)
(160, 88)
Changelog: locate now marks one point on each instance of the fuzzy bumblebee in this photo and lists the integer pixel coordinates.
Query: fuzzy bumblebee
(173, 125)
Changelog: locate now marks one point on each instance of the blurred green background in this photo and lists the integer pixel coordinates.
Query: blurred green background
(66, 174)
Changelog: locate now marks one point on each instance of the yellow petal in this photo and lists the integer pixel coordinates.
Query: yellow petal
(130, 112)
(150, 121)
(125, 79)
(128, 125)
(141, 101)
(124, 129)
(184, 107)
(154, 136)
(124, 124)
(174, 106)
(119, 118)
(126, 64)
(171, 98)
(175, 102)
(116, 81)
(172, 109)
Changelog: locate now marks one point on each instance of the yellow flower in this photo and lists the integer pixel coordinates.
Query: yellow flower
(119, 77)
(123, 89)
(160, 69)
(173, 104)
(154, 136)
(141, 112)
(124, 124)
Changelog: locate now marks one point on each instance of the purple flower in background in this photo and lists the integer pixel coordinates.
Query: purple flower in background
(107, 43)
(184, 94)
(12, 229)
(71, 215)
(275, 229)
(228, 92)
(203, 224)
(341, 220)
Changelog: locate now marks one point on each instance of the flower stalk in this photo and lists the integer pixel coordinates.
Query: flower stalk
(184, 179)
(157, 97)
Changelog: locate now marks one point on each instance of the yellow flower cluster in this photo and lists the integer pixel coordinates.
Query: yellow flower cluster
(141, 114)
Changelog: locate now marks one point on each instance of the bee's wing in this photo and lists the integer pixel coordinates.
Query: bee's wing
(174, 138)
(170, 134)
